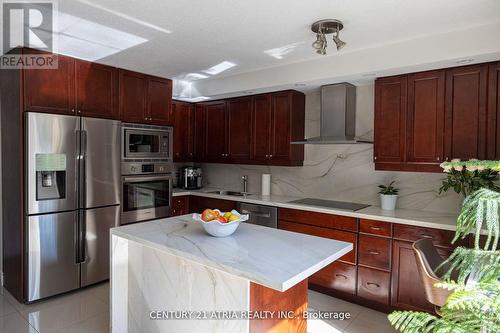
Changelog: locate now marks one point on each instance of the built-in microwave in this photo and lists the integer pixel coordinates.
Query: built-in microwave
(146, 142)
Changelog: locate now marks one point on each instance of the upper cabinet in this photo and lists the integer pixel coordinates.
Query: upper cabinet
(96, 90)
(145, 99)
(75, 87)
(493, 122)
(239, 128)
(183, 123)
(423, 119)
(251, 129)
(390, 119)
(278, 119)
(465, 123)
(51, 90)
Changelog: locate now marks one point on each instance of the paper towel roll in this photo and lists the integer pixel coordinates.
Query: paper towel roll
(266, 184)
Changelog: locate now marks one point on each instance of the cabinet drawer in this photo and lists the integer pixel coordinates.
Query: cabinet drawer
(319, 219)
(345, 236)
(373, 285)
(338, 276)
(439, 237)
(375, 227)
(374, 251)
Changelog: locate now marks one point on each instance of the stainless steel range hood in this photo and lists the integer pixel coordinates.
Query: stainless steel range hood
(338, 116)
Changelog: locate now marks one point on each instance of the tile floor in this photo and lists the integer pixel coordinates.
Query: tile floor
(87, 311)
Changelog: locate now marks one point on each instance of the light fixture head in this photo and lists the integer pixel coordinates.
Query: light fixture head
(340, 43)
(324, 27)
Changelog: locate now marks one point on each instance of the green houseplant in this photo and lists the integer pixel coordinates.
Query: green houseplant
(474, 304)
(465, 177)
(388, 196)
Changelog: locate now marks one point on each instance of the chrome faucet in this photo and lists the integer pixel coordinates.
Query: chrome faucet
(245, 183)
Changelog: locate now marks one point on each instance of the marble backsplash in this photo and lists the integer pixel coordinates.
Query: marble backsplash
(344, 172)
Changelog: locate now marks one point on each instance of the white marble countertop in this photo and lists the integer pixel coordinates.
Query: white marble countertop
(444, 221)
(273, 258)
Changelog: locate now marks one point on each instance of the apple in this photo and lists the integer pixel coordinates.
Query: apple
(227, 215)
(208, 215)
(221, 219)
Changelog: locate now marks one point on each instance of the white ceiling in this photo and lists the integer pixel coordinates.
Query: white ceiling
(172, 38)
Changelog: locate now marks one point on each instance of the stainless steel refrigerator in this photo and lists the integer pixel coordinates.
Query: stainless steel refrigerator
(72, 200)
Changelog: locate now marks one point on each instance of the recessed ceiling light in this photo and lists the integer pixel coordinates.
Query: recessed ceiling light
(219, 68)
(195, 76)
(300, 84)
(247, 92)
(464, 61)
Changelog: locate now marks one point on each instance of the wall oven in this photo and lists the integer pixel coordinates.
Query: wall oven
(145, 197)
(146, 142)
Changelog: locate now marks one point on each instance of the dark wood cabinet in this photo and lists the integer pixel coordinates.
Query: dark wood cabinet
(75, 87)
(262, 113)
(96, 90)
(180, 205)
(239, 129)
(215, 132)
(337, 276)
(278, 120)
(183, 123)
(199, 133)
(407, 288)
(344, 236)
(493, 121)
(51, 90)
(133, 90)
(374, 252)
(425, 121)
(251, 130)
(465, 122)
(199, 204)
(144, 98)
(159, 100)
(390, 119)
(374, 285)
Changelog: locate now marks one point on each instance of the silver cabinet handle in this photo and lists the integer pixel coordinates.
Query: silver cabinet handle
(426, 236)
(375, 253)
(373, 284)
(375, 228)
(341, 275)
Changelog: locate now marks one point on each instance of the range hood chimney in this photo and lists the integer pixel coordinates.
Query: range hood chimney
(338, 116)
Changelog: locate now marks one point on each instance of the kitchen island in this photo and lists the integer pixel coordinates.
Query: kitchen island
(168, 275)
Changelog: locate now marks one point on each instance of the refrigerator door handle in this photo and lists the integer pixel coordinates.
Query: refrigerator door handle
(83, 171)
(81, 251)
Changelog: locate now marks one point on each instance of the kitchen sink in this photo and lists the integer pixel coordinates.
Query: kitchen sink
(223, 192)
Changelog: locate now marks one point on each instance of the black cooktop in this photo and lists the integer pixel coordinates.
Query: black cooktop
(351, 206)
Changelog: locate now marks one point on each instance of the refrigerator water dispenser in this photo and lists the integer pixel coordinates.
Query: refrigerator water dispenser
(50, 176)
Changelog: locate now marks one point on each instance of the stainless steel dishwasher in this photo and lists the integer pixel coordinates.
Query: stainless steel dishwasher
(259, 214)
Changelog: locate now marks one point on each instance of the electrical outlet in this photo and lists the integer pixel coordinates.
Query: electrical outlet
(1, 279)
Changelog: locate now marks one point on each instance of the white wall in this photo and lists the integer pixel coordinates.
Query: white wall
(339, 172)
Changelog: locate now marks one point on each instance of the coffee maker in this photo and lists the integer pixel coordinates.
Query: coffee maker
(190, 178)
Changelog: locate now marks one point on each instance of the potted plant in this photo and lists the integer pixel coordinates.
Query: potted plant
(474, 304)
(388, 196)
(465, 177)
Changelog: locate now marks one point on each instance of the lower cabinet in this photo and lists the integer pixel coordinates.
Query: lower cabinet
(199, 204)
(337, 276)
(180, 205)
(374, 285)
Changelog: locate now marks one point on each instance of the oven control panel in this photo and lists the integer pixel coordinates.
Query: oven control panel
(133, 168)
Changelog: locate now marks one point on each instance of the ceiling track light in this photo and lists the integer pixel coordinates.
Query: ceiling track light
(323, 28)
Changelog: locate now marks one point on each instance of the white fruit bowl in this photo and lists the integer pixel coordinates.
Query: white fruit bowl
(218, 229)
